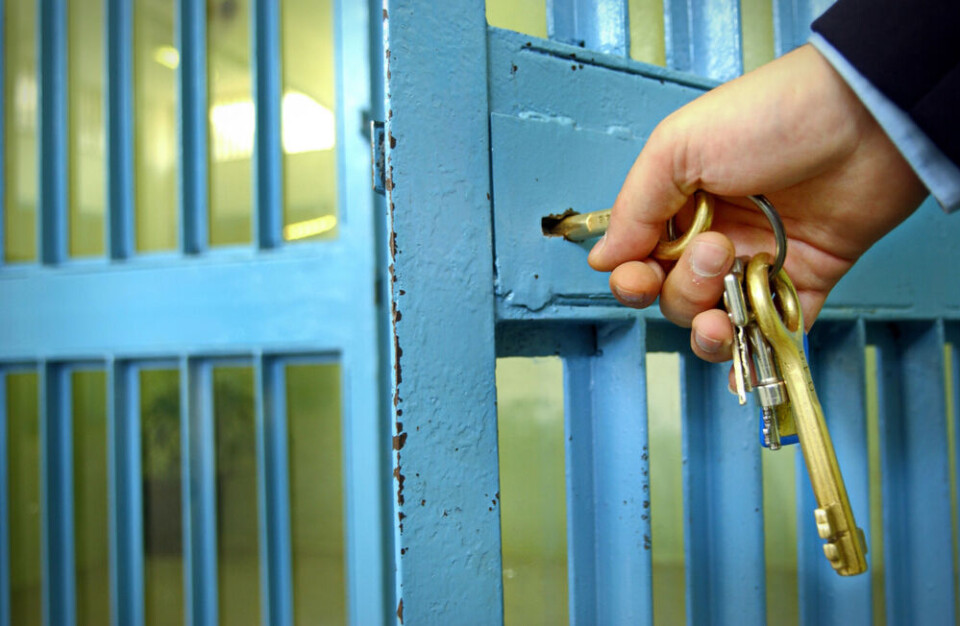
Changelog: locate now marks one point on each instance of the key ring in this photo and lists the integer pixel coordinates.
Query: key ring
(778, 233)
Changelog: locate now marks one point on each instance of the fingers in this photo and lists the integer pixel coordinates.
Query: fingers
(695, 283)
(648, 198)
(637, 283)
(711, 338)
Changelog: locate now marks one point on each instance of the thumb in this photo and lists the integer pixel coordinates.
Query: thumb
(657, 186)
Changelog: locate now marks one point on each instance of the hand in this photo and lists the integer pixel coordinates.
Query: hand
(791, 130)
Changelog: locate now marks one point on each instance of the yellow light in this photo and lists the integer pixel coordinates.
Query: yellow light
(309, 228)
(167, 56)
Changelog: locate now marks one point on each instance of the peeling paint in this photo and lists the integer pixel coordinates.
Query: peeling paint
(399, 441)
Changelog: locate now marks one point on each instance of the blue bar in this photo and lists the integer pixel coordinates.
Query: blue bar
(268, 161)
(581, 531)
(723, 500)
(119, 96)
(4, 495)
(838, 364)
(52, 101)
(126, 499)
(191, 37)
(917, 518)
(56, 497)
(197, 449)
(444, 408)
(705, 40)
(273, 493)
(600, 25)
(791, 22)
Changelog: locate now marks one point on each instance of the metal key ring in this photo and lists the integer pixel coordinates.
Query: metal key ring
(671, 249)
(778, 233)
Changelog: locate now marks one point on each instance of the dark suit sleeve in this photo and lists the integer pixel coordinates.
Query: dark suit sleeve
(910, 51)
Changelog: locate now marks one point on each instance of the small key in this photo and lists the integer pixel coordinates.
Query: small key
(736, 305)
(845, 547)
(770, 389)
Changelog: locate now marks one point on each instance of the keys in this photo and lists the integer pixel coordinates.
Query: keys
(845, 547)
(739, 314)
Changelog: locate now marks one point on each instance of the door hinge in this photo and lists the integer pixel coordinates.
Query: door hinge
(378, 156)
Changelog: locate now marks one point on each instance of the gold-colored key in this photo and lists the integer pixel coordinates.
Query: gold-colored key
(782, 325)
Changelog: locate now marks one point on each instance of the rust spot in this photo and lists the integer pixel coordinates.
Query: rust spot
(388, 184)
(399, 412)
(400, 516)
(536, 276)
(494, 502)
(513, 68)
(497, 495)
(385, 14)
(573, 67)
(399, 427)
(488, 195)
(646, 504)
(423, 503)
(399, 606)
(403, 551)
(646, 542)
(403, 292)
(399, 478)
(489, 508)
(390, 114)
(393, 244)
(399, 441)
(580, 66)
(393, 141)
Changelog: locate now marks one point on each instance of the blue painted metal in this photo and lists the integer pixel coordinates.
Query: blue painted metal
(268, 180)
(126, 500)
(704, 38)
(608, 489)
(917, 521)
(447, 525)
(56, 497)
(191, 38)
(791, 22)
(4, 499)
(199, 489)
(52, 137)
(119, 131)
(273, 489)
(723, 500)
(600, 25)
(837, 361)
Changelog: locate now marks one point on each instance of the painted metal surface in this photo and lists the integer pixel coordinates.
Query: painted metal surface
(600, 25)
(447, 502)
(723, 500)
(264, 303)
(703, 38)
(608, 485)
(917, 519)
(126, 502)
(837, 362)
(791, 22)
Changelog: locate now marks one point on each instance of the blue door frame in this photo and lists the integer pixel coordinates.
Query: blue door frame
(491, 130)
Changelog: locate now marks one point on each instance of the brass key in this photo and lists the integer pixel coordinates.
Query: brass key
(845, 547)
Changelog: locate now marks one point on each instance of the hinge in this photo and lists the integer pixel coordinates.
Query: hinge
(378, 156)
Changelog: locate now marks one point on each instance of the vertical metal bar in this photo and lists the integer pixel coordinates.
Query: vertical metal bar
(268, 163)
(52, 42)
(704, 38)
(4, 59)
(791, 22)
(4, 490)
(838, 363)
(723, 500)
(581, 531)
(624, 588)
(126, 499)
(56, 496)
(198, 454)
(119, 97)
(600, 25)
(273, 493)
(447, 530)
(917, 523)
(192, 82)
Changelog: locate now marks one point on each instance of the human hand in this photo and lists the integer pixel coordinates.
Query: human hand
(791, 130)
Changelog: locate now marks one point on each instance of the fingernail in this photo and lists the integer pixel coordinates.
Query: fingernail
(630, 298)
(708, 260)
(597, 250)
(708, 345)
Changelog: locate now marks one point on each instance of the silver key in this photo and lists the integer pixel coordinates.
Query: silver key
(770, 388)
(736, 306)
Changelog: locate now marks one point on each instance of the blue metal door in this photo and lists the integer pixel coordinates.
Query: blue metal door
(202, 280)
(488, 131)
